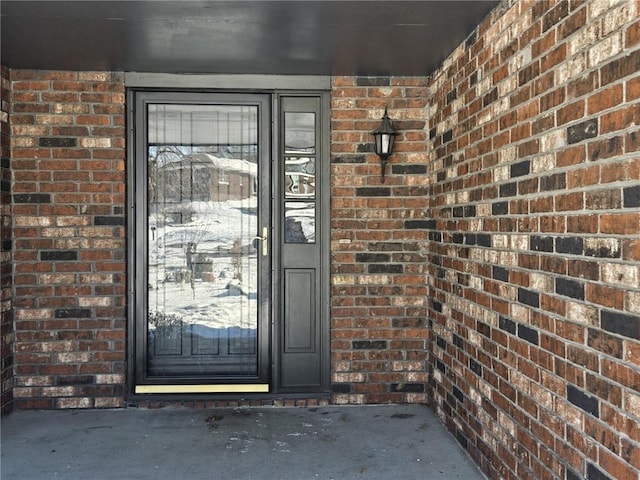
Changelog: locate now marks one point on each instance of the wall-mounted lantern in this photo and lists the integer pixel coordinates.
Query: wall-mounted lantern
(384, 136)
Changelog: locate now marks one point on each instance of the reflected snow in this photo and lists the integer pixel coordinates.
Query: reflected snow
(202, 263)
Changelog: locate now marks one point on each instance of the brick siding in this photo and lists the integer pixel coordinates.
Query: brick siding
(68, 157)
(535, 254)
(378, 243)
(6, 300)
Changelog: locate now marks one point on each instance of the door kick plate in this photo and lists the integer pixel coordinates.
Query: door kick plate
(231, 388)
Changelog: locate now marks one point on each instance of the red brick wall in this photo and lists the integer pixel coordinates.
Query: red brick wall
(535, 255)
(6, 300)
(68, 149)
(68, 157)
(378, 243)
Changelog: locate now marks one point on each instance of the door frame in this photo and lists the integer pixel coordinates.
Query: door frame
(229, 84)
(139, 239)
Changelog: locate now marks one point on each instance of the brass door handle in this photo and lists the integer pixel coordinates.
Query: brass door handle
(263, 239)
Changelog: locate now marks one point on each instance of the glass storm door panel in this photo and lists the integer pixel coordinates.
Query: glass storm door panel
(206, 262)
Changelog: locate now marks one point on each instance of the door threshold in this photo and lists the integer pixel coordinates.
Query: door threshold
(219, 388)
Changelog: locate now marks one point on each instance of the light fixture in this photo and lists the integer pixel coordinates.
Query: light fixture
(385, 136)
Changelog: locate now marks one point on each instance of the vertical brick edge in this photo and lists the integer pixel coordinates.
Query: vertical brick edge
(6, 262)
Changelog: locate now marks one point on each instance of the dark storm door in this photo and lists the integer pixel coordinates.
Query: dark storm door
(203, 242)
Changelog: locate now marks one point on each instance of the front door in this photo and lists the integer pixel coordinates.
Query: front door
(219, 200)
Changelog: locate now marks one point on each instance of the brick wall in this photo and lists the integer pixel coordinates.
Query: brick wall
(6, 300)
(68, 157)
(535, 255)
(68, 149)
(378, 243)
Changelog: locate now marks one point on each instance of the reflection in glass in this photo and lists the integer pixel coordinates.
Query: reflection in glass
(202, 216)
(299, 132)
(300, 177)
(300, 222)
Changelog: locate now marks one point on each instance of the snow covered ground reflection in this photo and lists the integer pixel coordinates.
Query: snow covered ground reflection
(203, 276)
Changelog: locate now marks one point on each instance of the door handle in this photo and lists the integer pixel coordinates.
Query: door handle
(263, 239)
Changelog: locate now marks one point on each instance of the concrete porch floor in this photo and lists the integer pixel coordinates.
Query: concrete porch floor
(336, 442)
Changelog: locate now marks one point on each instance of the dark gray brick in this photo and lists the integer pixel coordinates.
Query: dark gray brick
(53, 255)
(373, 192)
(520, 169)
(32, 198)
(369, 345)
(409, 169)
(475, 367)
(373, 81)
(541, 244)
(418, 224)
(108, 220)
(581, 400)
(507, 325)
(407, 387)
(458, 394)
(631, 196)
(570, 288)
(372, 257)
(620, 323)
(500, 273)
(582, 131)
(528, 297)
(341, 387)
(385, 268)
(594, 473)
(571, 245)
(73, 313)
(508, 189)
(349, 159)
(529, 334)
(57, 142)
(500, 208)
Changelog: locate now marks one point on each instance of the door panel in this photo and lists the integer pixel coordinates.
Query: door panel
(205, 317)
(202, 261)
(302, 359)
(300, 330)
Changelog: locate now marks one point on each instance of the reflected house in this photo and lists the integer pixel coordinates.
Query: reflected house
(204, 177)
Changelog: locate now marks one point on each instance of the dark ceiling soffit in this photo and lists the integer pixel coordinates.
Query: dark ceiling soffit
(393, 37)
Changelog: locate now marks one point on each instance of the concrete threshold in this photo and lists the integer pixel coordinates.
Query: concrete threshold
(335, 442)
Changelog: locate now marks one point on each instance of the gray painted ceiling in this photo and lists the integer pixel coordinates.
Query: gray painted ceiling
(361, 37)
